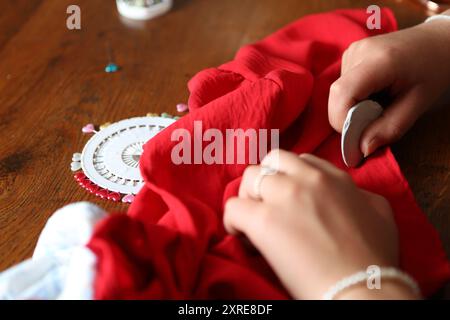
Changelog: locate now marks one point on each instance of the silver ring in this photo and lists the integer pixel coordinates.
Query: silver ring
(265, 171)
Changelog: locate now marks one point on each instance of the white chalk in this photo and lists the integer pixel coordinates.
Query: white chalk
(357, 120)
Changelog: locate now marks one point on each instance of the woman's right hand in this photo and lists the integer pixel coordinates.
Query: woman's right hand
(411, 66)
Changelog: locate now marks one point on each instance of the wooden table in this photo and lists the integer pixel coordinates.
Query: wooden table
(52, 83)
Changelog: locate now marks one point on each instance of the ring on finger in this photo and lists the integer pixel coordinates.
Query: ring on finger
(264, 172)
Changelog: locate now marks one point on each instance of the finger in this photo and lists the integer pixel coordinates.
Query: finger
(269, 188)
(286, 162)
(355, 85)
(321, 164)
(240, 215)
(395, 121)
(348, 61)
(344, 61)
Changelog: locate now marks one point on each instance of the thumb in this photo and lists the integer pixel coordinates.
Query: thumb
(395, 121)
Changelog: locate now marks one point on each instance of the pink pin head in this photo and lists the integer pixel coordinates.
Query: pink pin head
(89, 128)
(128, 198)
(182, 107)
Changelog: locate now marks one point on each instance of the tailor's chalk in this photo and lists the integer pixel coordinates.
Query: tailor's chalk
(357, 120)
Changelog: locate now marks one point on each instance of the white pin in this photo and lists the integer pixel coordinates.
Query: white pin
(357, 120)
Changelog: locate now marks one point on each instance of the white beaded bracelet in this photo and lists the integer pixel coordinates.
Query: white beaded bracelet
(363, 276)
(438, 17)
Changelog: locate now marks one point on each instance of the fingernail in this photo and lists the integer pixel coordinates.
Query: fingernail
(370, 147)
(301, 155)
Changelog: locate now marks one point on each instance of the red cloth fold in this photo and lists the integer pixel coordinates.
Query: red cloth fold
(172, 243)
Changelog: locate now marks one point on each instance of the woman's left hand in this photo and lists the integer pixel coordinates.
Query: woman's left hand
(311, 223)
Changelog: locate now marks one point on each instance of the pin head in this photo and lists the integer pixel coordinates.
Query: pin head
(111, 68)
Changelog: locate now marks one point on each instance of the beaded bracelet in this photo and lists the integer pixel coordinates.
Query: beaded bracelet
(438, 17)
(362, 276)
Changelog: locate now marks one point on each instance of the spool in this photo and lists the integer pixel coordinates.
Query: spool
(143, 9)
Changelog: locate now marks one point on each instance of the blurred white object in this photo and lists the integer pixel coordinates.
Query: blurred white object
(62, 267)
(143, 9)
(358, 119)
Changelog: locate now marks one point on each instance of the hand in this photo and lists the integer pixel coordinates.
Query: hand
(313, 225)
(410, 68)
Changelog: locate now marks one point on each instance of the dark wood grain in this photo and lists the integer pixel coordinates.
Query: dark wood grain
(52, 83)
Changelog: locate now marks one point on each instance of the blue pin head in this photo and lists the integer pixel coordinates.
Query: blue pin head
(111, 67)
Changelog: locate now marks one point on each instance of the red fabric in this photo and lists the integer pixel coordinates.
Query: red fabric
(172, 244)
